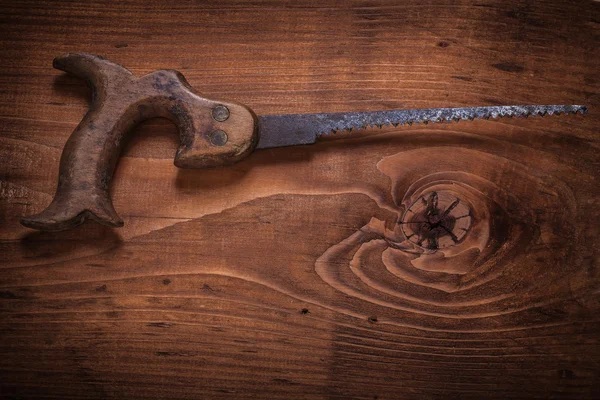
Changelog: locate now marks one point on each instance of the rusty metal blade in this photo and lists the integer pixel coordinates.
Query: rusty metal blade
(297, 129)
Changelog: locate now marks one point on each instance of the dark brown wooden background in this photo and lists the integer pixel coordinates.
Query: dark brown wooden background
(271, 278)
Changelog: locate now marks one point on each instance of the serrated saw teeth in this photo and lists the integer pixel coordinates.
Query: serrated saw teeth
(294, 129)
(380, 119)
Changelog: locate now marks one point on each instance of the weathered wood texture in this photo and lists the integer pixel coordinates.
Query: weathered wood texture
(121, 101)
(281, 276)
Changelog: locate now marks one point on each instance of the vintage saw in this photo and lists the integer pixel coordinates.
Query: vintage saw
(212, 133)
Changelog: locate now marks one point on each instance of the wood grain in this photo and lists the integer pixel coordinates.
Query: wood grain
(289, 275)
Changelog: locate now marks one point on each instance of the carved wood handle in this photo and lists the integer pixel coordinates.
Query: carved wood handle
(211, 133)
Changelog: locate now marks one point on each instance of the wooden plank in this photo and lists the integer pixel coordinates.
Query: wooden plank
(286, 276)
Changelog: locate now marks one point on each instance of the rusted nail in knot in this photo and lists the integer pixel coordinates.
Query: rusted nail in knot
(437, 220)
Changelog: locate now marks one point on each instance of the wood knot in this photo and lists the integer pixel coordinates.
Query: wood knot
(437, 220)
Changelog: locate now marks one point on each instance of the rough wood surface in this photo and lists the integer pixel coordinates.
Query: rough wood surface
(281, 276)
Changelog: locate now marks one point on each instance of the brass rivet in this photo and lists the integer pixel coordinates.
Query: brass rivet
(220, 113)
(218, 138)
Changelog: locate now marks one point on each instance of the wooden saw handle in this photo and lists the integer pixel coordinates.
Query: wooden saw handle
(211, 133)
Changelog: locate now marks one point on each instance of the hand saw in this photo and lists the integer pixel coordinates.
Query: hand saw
(212, 133)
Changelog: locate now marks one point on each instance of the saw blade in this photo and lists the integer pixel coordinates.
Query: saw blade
(297, 129)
